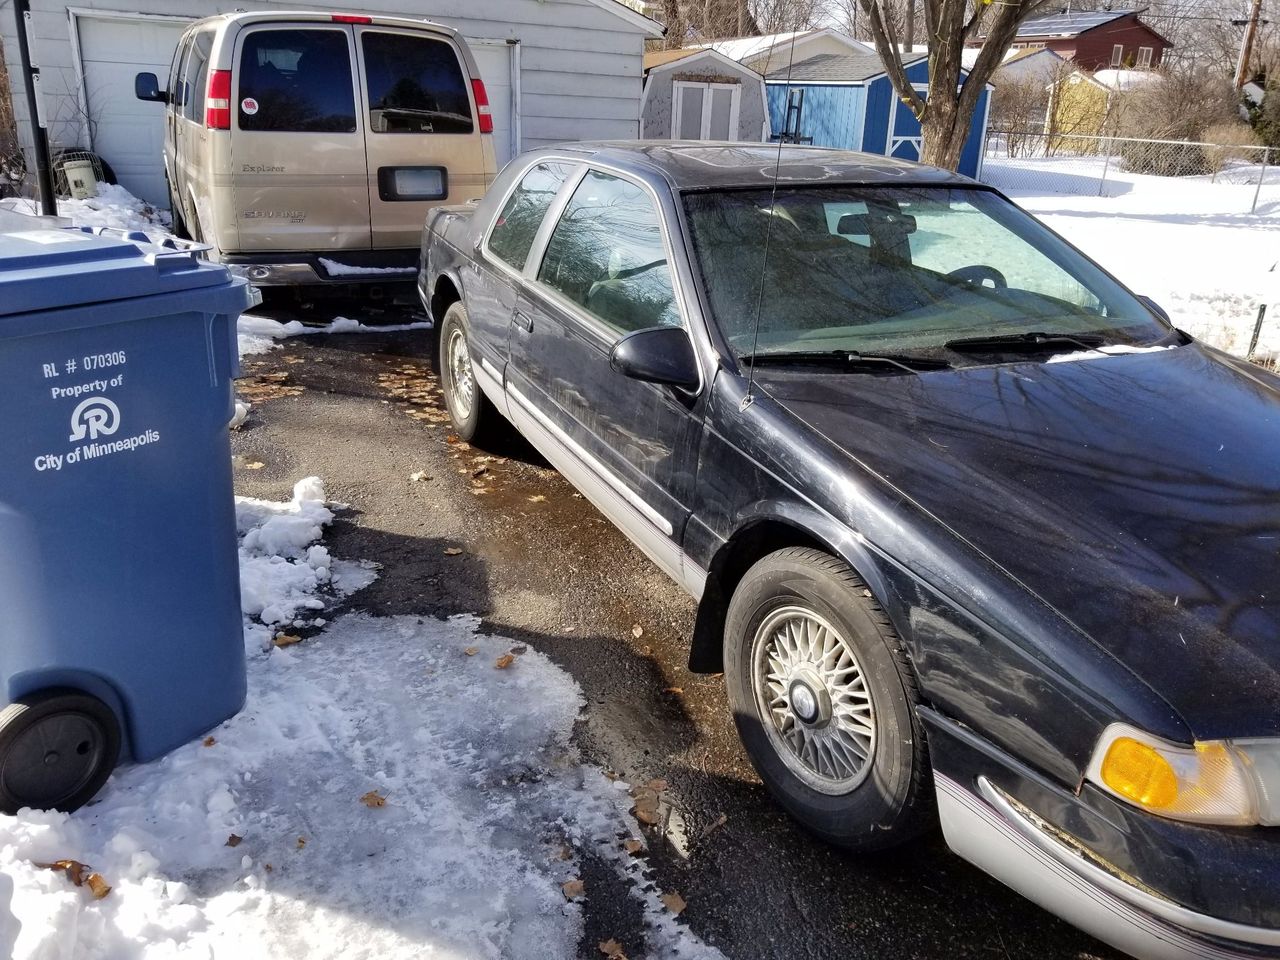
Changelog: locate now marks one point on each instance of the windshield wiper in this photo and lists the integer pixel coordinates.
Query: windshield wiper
(847, 359)
(1025, 342)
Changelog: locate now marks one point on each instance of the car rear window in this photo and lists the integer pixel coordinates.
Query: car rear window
(296, 81)
(415, 85)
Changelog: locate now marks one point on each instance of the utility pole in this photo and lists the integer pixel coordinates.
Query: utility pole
(30, 75)
(1246, 48)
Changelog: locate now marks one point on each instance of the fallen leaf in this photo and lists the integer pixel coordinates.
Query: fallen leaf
(565, 852)
(633, 845)
(646, 815)
(573, 889)
(504, 661)
(646, 650)
(637, 631)
(74, 869)
(520, 650)
(234, 840)
(97, 886)
(452, 438)
(452, 551)
(209, 741)
(714, 825)
(286, 640)
(251, 465)
(267, 867)
(612, 948)
(302, 842)
(373, 799)
(471, 651)
(479, 471)
(676, 690)
(658, 786)
(419, 476)
(537, 498)
(673, 902)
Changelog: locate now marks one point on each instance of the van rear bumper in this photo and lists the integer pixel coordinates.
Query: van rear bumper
(339, 267)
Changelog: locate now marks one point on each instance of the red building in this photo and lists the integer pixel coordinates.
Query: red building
(1094, 39)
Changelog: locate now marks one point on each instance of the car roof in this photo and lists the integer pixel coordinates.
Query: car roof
(708, 165)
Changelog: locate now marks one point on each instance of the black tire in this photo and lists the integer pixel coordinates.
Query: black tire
(472, 414)
(57, 749)
(177, 225)
(888, 799)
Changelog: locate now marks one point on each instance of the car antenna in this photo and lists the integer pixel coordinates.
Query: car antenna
(749, 398)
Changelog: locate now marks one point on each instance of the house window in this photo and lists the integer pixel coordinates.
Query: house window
(1144, 56)
(1117, 54)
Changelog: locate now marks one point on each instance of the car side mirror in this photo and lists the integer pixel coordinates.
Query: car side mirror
(657, 355)
(147, 87)
(1155, 308)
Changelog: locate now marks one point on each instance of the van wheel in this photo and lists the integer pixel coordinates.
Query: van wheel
(469, 408)
(57, 749)
(824, 700)
(179, 225)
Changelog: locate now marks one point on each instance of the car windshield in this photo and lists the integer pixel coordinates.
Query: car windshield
(904, 270)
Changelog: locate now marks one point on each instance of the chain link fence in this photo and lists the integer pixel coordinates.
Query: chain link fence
(1230, 178)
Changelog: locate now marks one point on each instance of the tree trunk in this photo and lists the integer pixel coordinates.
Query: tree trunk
(675, 26)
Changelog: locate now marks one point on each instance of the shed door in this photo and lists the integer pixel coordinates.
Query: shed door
(905, 137)
(128, 133)
(705, 111)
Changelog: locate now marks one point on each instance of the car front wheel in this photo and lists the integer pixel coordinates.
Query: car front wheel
(824, 700)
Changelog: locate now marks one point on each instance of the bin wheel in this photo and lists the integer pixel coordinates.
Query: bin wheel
(57, 749)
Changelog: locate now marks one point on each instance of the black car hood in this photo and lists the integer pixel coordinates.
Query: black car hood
(1137, 494)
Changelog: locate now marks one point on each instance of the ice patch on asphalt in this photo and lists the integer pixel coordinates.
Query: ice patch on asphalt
(270, 840)
(261, 334)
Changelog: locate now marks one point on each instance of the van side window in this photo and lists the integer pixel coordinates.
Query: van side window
(180, 93)
(175, 75)
(517, 225)
(198, 75)
(296, 81)
(415, 85)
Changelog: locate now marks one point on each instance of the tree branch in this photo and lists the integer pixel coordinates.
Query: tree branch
(891, 57)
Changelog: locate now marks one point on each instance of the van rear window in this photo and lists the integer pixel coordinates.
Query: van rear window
(296, 81)
(415, 85)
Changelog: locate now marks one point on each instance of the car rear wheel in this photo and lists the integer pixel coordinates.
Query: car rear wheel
(469, 408)
(57, 749)
(824, 700)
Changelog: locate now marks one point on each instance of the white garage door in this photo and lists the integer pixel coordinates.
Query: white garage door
(494, 58)
(128, 133)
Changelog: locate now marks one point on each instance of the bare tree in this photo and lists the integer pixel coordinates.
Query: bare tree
(946, 112)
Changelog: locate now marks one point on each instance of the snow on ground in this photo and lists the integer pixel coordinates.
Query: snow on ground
(114, 207)
(261, 334)
(1186, 242)
(394, 794)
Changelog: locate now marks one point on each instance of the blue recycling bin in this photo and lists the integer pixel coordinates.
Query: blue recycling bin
(120, 625)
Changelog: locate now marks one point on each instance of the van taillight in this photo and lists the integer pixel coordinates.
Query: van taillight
(482, 106)
(217, 102)
(350, 18)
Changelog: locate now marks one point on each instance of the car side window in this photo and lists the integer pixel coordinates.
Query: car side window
(175, 76)
(181, 95)
(415, 85)
(296, 81)
(198, 71)
(606, 255)
(513, 232)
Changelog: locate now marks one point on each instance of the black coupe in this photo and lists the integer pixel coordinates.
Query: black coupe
(977, 536)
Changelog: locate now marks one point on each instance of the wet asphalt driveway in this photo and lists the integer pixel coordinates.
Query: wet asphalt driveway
(540, 565)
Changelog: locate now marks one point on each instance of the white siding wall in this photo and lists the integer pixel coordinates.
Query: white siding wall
(581, 69)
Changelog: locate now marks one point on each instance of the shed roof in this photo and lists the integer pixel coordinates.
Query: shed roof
(1070, 23)
(656, 58)
(838, 67)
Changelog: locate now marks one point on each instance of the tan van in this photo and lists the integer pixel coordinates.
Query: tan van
(308, 147)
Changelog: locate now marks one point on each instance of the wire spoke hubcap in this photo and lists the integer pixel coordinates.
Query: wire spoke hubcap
(813, 699)
(460, 376)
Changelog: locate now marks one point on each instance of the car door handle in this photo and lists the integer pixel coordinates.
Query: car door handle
(524, 321)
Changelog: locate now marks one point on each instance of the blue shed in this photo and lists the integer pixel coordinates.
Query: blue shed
(848, 101)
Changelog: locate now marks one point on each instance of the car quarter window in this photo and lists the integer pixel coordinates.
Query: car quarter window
(607, 255)
(201, 50)
(415, 85)
(513, 232)
(296, 81)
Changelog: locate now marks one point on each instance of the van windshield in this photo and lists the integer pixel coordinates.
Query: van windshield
(904, 270)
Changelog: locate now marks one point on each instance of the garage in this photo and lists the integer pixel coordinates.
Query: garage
(569, 70)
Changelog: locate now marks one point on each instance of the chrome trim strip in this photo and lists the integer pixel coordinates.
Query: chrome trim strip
(975, 830)
(1164, 909)
(650, 514)
(490, 380)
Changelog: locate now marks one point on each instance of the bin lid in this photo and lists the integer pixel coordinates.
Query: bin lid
(42, 269)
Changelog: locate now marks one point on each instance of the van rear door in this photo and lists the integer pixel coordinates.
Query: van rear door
(297, 139)
(422, 131)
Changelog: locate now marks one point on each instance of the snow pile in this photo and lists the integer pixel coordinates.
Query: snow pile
(336, 269)
(388, 792)
(114, 207)
(261, 334)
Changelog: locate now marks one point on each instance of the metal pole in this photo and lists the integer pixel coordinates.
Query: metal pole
(30, 75)
(1106, 165)
(1266, 155)
(1246, 48)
